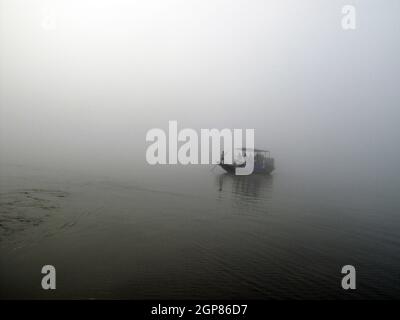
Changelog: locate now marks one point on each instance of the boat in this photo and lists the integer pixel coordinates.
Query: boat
(263, 162)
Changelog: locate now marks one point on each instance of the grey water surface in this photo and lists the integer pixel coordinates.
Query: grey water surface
(192, 232)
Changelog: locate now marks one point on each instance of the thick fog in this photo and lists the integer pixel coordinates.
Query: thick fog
(81, 82)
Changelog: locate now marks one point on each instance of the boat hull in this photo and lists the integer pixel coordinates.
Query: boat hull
(231, 168)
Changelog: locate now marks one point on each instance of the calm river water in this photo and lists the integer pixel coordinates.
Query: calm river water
(192, 232)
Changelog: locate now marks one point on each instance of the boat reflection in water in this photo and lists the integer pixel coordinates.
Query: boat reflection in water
(245, 188)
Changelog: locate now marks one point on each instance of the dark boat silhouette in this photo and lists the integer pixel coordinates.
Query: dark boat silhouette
(263, 163)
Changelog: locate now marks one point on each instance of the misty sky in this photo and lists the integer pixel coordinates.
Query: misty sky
(81, 82)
